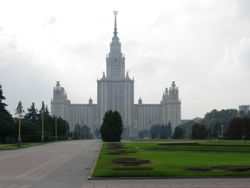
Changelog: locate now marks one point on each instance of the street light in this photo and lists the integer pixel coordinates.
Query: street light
(19, 113)
(222, 126)
(42, 114)
(19, 141)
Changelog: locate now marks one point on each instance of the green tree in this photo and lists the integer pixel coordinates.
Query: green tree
(178, 133)
(7, 125)
(2, 104)
(199, 131)
(161, 131)
(32, 113)
(215, 119)
(19, 113)
(144, 133)
(187, 128)
(7, 128)
(112, 127)
(239, 128)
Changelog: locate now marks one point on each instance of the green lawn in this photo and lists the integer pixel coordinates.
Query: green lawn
(24, 145)
(236, 142)
(201, 147)
(173, 164)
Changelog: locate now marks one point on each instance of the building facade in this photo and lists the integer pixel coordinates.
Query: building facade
(244, 109)
(115, 91)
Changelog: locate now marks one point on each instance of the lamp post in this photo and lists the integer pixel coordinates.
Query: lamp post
(19, 112)
(222, 126)
(42, 114)
(19, 141)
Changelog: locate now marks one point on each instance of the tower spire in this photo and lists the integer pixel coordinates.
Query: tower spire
(115, 27)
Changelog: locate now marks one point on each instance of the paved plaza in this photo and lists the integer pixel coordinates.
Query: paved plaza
(68, 164)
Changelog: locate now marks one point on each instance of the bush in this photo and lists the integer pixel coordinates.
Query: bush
(112, 127)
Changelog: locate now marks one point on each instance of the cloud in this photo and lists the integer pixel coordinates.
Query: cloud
(52, 20)
(202, 45)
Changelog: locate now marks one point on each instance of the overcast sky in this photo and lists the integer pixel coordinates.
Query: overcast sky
(203, 45)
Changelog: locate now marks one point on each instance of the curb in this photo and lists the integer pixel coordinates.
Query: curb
(94, 165)
(167, 178)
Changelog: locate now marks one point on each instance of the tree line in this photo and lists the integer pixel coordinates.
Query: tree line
(157, 131)
(28, 125)
(223, 124)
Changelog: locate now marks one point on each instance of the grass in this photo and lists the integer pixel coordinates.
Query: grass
(24, 145)
(173, 164)
(202, 148)
(160, 140)
(235, 142)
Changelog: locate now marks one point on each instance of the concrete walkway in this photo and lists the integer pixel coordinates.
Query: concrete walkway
(68, 164)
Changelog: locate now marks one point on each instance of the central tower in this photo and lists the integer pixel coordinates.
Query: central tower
(115, 89)
(115, 61)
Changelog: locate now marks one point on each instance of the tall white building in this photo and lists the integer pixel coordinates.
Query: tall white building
(115, 91)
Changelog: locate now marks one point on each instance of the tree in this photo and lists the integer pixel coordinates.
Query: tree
(161, 131)
(187, 128)
(7, 125)
(144, 133)
(2, 104)
(46, 111)
(178, 133)
(215, 119)
(32, 113)
(199, 131)
(239, 128)
(7, 128)
(112, 127)
(19, 113)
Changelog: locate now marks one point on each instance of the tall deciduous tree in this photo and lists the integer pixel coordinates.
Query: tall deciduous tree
(112, 127)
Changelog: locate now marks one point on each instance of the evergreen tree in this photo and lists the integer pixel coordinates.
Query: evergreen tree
(7, 125)
(32, 113)
(144, 133)
(2, 104)
(112, 127)
(46, 111)
(178, 133)
(161, 131)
